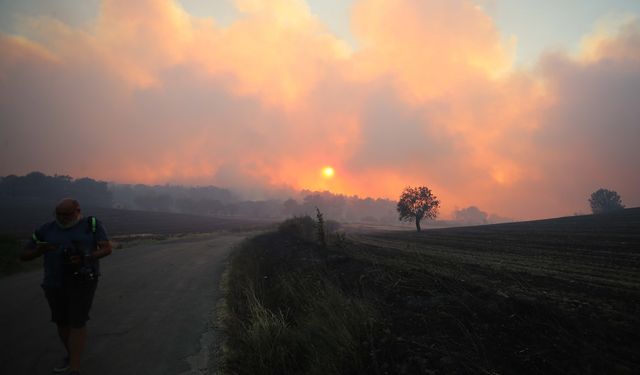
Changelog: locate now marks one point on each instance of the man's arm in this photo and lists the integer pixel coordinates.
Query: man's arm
(104, 249)
(104, 245)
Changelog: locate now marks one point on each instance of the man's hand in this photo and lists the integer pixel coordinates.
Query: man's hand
(45, 247)
(76, 259)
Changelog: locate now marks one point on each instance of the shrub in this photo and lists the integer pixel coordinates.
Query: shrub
(303, 227)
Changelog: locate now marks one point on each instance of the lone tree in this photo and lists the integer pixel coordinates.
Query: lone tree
(603, 201)
(416, 204)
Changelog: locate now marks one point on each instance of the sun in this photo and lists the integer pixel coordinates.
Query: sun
(328, 172)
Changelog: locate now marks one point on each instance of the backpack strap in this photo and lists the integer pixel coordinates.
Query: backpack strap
(91, 227)
(92, 224)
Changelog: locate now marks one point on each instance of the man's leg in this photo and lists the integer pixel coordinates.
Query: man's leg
(63, 332)
(80, 304)
(59, 304)
(77, 343)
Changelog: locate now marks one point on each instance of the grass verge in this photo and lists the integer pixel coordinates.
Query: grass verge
(283, 313)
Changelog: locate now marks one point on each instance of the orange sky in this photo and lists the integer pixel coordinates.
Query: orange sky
(149, 93)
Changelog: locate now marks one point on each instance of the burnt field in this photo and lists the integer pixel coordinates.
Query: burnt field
(557, 296)
(552, 296)
(21, 219)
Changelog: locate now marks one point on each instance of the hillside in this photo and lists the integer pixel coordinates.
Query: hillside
(559, 296)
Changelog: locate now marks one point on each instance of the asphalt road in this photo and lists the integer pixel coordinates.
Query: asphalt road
(151, 313)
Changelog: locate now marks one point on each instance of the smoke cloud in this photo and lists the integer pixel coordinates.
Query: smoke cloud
(149, 93)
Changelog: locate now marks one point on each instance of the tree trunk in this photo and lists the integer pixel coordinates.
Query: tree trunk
(418, 224)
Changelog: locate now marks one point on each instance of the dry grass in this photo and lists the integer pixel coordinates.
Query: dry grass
(284, 316)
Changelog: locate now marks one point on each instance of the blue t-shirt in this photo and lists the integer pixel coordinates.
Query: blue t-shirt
(79, 237)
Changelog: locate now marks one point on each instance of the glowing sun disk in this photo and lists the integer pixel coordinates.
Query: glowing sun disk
(328, 172)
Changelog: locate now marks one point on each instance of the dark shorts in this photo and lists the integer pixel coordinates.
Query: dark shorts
(71, 303)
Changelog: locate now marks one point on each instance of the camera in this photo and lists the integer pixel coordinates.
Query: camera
(83, 272)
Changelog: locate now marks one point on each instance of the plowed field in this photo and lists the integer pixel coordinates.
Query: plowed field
(555, 296)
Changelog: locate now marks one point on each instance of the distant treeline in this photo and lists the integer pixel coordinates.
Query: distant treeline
(343, 208)
(207, 200)
(37, 186)
(474, 216)
(172, 198)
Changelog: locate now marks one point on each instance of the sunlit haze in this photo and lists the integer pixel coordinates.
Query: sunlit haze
(521, 108)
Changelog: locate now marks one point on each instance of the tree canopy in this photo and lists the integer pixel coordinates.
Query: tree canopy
(416, 204)
(604, 200)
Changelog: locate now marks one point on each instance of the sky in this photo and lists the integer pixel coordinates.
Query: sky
(521, 108)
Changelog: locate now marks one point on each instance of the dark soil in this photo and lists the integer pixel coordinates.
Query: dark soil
(550, 297)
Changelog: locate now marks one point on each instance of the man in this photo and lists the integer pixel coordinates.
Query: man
(71, 247)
